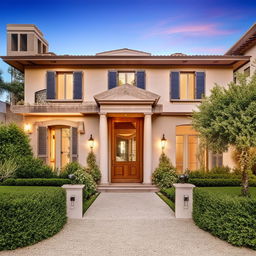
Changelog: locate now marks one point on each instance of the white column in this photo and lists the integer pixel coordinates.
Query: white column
(147, 161)
(103, 145)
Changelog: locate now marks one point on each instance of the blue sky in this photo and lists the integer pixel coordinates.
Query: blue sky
(156, 26)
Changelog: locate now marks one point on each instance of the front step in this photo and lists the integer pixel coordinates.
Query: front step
(132, 188)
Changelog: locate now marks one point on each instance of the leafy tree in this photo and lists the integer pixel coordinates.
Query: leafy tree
(15, 88)
(92, 167)
(227, 119)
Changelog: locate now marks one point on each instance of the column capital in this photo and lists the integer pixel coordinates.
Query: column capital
(148, 114)
(102, 113)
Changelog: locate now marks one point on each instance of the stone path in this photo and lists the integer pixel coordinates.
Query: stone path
(130, 224)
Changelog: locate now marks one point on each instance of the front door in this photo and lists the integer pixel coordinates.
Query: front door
(126, 149)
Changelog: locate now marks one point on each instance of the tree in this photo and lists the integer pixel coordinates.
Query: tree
(227, 118)
(15, 88)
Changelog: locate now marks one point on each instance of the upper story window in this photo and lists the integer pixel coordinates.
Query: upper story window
(14, 42)
(126, 78)
(23, 42)
(64, 86)
(187, 86)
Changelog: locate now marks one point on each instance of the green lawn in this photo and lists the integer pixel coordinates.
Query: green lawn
(87, 203)
(233, 191)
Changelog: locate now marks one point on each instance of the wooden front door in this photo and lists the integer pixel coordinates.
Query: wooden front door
(126, 149)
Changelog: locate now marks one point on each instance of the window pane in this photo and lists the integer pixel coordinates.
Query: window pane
(179, 152)
(69, 86)
(191, 86)
(65, 146)
(130, 78)
(183, 86)
(60, 86)
(121, 78)
(192, 152)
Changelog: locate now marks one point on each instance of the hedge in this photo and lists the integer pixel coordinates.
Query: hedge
(35, 182)
(29, 215)
(170, 193)
(219, 182)
(231, 218)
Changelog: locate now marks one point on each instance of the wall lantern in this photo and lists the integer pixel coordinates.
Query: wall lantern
(28, 128)
(91, 142)
(163, 142)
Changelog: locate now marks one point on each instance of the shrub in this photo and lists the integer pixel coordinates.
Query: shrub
(70, 168)
(82, 177)
(227, 217)
(31, 167)
(36, 182)
(221, 170)
(165, 174)
(219, 182)
(170, 193)
(93, 168)
(7, 169)
(14, 143)
(29, 216)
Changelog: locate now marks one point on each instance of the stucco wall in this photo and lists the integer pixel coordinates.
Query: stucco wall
(157, 81)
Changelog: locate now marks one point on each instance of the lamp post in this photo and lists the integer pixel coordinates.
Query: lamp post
(91, 142)
(163, 143)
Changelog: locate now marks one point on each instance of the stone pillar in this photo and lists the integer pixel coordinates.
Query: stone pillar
(147, 159)
(183, 200)
(74, 199)
(103, 145)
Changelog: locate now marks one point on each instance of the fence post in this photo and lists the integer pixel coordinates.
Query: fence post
(74, 201)
(183, 200)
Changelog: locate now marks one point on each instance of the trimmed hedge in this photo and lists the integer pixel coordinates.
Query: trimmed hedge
(35, 182)
(29, 215)
(220, 182)
(231, 218)
(170, 193)
(209, 175)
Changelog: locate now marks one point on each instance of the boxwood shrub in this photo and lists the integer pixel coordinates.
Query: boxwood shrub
(231, 218)
(220, 182)
(29, 215)
(35, 182)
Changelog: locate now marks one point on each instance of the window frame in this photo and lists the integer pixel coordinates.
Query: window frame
(126, 71)
(65, 86)
(187, 85)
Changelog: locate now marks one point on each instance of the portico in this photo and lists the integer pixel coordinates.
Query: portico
(125, 143)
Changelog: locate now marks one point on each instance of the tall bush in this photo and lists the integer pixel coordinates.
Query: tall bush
(93, 168)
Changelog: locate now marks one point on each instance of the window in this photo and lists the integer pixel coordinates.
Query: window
(14, 42)
(247, 72)
(126, 78)
(23, 42)
(217, 160)
(187, 86)
(64, 86)
(187, 148)
(44, 48)
(39, 46)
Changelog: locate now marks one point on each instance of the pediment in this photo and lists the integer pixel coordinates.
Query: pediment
(127, 94)
(124, 52)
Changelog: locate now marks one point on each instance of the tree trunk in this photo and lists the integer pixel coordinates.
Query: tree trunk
(244, 166)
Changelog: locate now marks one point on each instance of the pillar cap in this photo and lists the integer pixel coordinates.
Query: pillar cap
(183, 185)
(73, 186)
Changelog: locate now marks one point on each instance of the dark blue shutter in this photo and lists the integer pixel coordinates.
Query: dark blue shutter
(140, 79)
(200, 84)
(175, 85)
(112, 79)
(74, 144)
(50, 81)
(77, 85)
(42, 143)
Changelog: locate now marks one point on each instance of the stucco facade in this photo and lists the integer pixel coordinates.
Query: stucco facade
(120, 117)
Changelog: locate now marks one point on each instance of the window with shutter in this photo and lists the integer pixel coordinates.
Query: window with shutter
(200, 85)
(77, 85)
(140, 79)
(42, 143)
(112, 79)
(175, 85)
(50, 85)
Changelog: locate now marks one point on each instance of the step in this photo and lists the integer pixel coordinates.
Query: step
(132, 188)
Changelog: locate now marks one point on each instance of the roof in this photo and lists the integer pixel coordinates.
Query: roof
(247, 41)
(80, 61)
(124, 52)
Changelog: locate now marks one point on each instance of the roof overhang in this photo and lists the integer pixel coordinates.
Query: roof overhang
(22, 62)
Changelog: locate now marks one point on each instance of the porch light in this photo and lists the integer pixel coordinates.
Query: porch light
(28, 128)
(163, 142)
(91, 142)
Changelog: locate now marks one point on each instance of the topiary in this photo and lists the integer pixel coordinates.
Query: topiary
(165, 174)
(82, 177)
(93, 168)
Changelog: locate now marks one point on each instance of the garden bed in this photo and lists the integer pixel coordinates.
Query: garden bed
(30, 214)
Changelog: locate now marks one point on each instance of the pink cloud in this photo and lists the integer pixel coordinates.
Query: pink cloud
(193, 30)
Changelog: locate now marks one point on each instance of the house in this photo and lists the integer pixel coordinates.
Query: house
(7, 116)
(128, 101)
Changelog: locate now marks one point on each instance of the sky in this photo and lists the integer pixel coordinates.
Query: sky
(155, 26)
